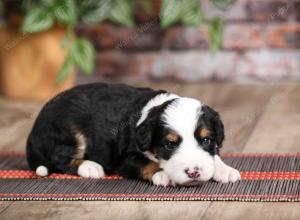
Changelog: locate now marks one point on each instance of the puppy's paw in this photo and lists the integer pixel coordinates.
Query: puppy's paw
(160, 178)
(90, 169)
(225, 174)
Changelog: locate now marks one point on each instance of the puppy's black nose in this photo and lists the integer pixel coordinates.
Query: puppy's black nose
(194, 174)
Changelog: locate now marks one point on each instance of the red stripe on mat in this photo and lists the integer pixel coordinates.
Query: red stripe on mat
(231, 155)
(26, 174)
(154, 195)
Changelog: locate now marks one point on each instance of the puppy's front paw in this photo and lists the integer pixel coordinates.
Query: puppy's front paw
(90, 169)
(160, 178)
(225, 174)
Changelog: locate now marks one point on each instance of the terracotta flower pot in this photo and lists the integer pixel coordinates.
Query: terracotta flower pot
(29, 63)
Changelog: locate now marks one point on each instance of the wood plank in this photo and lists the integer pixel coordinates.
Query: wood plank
(240, 106)
(4, 205)
(278, 129)
(105, 210)
(16, 119)
(252, 210)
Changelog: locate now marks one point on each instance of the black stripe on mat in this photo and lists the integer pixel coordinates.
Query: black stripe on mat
(91, 189)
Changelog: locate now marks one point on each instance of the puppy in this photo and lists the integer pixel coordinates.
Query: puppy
(98, 129)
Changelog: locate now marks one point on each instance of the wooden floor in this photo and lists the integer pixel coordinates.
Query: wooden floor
(258, 118)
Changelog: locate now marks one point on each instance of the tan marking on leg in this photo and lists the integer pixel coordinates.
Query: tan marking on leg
(76, 162)
(78, 157)
(149, 170)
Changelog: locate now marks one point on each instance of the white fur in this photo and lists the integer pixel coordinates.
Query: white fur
(161, 178)
(150, 156)
(90, 169)
(156, 101)
(224, 173)
(41, 171)
(181, 116)
(81, 145)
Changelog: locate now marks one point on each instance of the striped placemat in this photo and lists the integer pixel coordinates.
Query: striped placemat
(265, 177)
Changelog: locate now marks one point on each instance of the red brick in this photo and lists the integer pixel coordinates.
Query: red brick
(195, 66)
(186, 38)
(146, 36)
(186, 66)
(105, 36)
(268, 10)
(119, 64)
(296, 9)
(142, 16)
(242, 36)
(235, 12)
(270, 65)
(283, 35)
(236, 37)
(254, 10)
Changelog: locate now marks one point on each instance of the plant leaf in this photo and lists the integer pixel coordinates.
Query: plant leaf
(216, 34)
(65, 12)
(121, 13)
(65, 70)
(36, 20)
(68, 39)
(93, 12)
(191, 14)
(170, 12)
(48, 3)
(83, 53)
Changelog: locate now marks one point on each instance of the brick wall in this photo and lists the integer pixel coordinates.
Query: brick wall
(261, 43)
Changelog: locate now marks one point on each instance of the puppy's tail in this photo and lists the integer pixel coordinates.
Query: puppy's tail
(42, 171)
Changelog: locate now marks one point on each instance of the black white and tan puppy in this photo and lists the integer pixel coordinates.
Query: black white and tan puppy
(99, 129)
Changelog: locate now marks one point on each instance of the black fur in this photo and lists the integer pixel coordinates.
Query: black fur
(105, 114)
(210, 120)
(165, 148)
(145, 132)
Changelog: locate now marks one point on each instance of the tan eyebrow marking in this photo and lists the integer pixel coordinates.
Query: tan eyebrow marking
(203, 132)
(172, 136)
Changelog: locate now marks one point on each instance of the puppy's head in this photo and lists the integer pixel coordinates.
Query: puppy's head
(183, 136)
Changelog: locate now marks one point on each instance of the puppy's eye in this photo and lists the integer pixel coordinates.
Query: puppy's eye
(206, 142)
(170, 145)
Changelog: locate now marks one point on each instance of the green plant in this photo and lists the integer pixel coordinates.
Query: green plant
(189, 13)
(40, 15)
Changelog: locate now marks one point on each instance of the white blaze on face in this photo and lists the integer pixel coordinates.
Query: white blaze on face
(156, 101)
(182, 116)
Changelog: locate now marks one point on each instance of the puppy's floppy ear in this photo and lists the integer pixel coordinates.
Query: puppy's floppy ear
(218, 125)
(144, 132)
(219, 131)
(143, 135)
